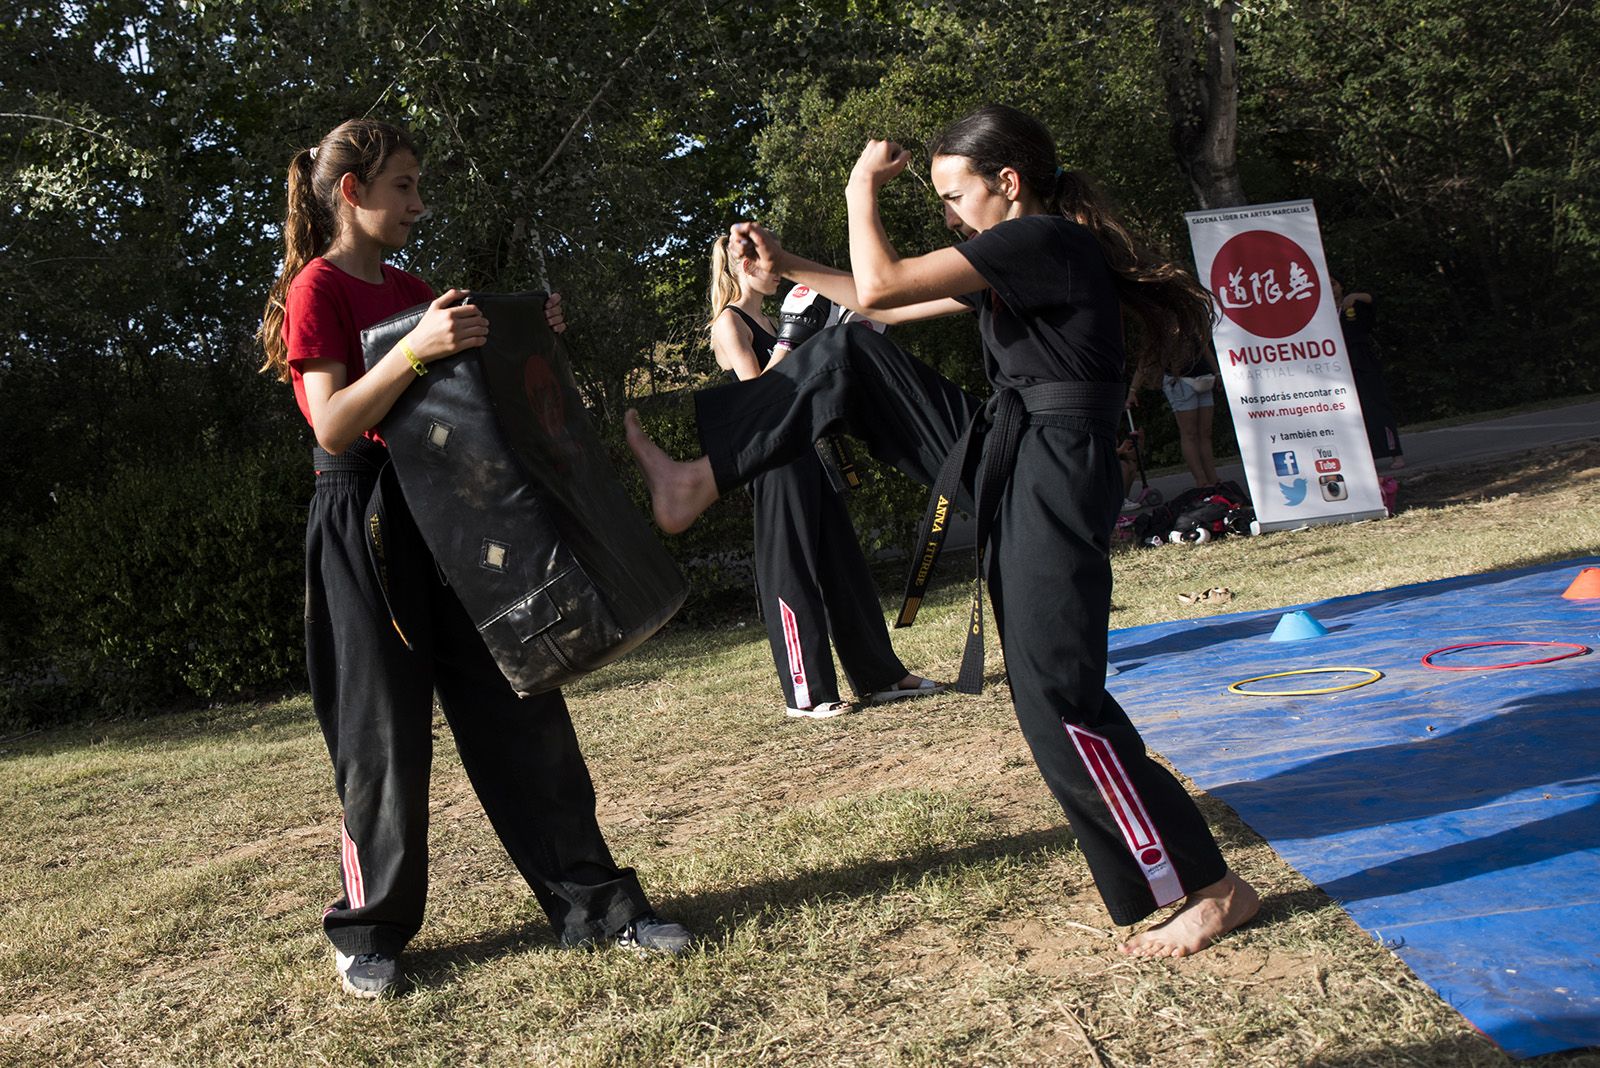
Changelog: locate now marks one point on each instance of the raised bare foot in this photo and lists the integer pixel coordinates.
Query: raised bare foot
(679, 492)
(1206, 916)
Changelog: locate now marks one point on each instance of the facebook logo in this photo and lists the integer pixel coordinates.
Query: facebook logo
(1284, 463)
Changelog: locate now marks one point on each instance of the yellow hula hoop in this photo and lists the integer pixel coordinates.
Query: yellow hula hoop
(1373, 676)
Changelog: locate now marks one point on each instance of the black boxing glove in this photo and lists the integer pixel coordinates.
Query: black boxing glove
(804, 312)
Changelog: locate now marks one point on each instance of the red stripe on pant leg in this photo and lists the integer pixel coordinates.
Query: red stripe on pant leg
(1127, 808)
(344, 862)
(1143, 833)
(797, 662)
(1092, 750)
(354, 888)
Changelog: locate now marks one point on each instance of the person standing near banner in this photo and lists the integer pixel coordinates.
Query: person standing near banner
(1190, 396)
(811, 576)
(1358, 314)
(1050, 272)
(353, 200)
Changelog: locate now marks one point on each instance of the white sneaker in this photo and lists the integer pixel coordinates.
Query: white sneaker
(367, 975)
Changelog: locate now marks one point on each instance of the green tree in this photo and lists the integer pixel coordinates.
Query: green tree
(1454, 156)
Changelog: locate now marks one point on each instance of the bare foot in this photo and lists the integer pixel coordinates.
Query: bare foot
(1206, 916)
(679, 492)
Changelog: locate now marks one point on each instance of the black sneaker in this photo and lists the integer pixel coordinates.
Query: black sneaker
(367, 975)
(651, 934)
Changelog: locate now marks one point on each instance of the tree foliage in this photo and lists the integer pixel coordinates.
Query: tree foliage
(1455, 159)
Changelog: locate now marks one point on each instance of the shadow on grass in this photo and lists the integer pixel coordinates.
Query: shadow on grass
(1460, 1051)
(713, 915)
(1457, 1051)
(1532, 471)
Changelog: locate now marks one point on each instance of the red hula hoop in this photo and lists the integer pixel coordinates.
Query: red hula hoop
(1577, 650)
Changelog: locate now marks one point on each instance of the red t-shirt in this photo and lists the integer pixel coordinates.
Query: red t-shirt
(326, 311)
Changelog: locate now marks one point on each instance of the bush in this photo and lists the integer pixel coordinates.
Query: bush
(178, 579)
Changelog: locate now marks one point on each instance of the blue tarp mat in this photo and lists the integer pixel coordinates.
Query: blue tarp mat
(1454, 814)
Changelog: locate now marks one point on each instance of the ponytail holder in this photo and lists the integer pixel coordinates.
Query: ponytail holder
(314, 148)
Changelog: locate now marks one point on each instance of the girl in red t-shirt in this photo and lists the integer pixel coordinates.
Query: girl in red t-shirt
(353, 199)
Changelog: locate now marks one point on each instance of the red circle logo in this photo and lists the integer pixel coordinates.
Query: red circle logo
(1265, 283)
(1150, 856)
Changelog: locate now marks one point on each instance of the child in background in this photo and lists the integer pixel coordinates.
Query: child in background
(811, 576)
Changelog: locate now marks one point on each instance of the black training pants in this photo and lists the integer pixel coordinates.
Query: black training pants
(1049, 571)
(813, 581)
(374, 699)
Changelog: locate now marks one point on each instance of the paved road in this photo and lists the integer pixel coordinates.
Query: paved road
(1462, 444)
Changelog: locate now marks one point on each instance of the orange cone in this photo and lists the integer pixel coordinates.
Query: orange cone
(1586, 587)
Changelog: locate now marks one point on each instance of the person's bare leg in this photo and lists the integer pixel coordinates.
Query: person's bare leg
(1189, 443)
(679, 491)
(1203, 918)
(1208, 462)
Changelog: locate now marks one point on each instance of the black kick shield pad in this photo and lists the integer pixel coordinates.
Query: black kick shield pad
(514, 494)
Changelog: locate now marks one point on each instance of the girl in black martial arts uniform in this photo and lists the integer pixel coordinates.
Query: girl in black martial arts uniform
(1050, 274)
(811, 576)
(352, 200)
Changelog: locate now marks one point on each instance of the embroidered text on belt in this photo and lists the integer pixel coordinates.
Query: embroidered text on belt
(1001, 419)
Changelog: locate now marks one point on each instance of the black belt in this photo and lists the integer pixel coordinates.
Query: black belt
(1003, 417)
(362, 456)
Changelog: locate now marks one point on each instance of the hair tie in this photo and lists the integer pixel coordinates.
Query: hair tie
(315, 147)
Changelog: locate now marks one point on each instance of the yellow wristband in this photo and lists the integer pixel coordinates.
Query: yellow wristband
(411, 358)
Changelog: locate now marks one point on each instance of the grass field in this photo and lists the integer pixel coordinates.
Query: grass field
(894, 887)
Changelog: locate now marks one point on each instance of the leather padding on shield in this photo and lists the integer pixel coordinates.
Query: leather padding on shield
(515, 496)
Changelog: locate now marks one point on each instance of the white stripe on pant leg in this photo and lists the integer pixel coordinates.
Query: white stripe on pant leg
(797, 661)
(1127, 808)
(354, 888)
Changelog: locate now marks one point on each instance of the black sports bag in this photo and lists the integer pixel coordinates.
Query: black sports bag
(513, 493)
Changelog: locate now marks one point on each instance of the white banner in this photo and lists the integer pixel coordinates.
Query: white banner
(1284, 365)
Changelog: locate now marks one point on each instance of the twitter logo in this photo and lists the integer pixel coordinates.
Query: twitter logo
(1293, 492)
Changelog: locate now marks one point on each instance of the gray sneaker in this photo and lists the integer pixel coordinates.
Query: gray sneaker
(367, 975)
(651, 934)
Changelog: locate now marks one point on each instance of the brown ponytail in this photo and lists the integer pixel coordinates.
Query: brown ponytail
(1173, 313)
(361, 147)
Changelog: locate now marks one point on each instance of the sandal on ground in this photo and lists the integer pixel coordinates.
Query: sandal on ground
(923, 688)
(826, 710)
(1215, 595)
